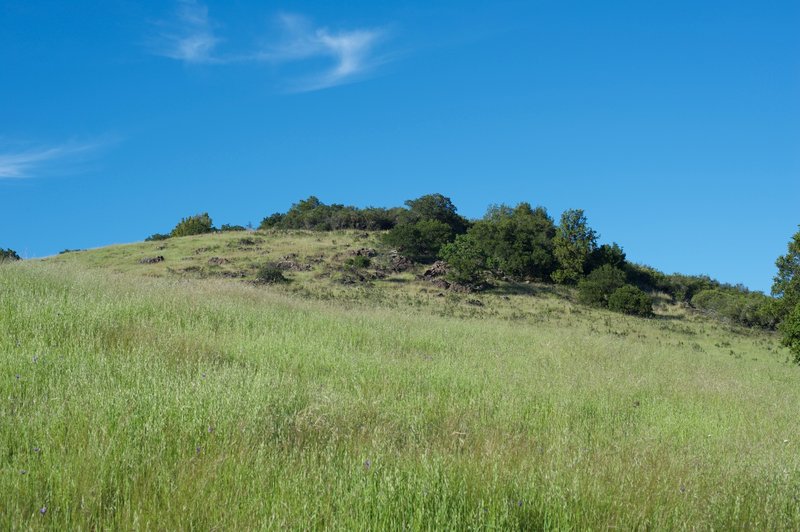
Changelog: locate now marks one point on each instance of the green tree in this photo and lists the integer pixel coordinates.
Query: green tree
(790, 328)
(194, 225)
(573, 244)
(8, 255)
(421, 240)
(466, 259)
(786, 284)
(435, 207)
(517, 242)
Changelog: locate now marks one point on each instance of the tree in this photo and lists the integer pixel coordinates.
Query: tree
(421, 240)
(466, 259)
(194, 225)
(517, 242)
(436, 207)
(790, 327)
(607, 254)
(786, 285)
(8, 255)
(573, 243)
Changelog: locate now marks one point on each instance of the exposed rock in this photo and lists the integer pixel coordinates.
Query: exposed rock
(217, 261)
(151, 260)
(398, 263)
(437, 269)
(363, 252)
(287, 264)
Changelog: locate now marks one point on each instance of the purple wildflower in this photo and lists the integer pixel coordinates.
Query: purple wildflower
(43, 510)
(367, 464)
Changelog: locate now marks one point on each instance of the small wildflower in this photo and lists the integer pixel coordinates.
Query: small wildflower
(23, 471)
(37, 450)
(367, 464)
(519, 503)
(785, 441)
(43, 510)
(683, 488)
(211, 429)
(17, 376)
(35, 359)
(198, 449)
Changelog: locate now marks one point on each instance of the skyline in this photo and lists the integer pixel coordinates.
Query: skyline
(675, 127)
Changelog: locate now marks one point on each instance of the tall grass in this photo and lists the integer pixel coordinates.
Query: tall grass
(198, 404)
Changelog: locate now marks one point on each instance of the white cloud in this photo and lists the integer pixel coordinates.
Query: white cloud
(351, 53)
(32, 162)
(190, 38)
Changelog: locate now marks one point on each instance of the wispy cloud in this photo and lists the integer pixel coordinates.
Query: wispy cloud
(36, 161)
(190, 37)
(347, 55)
(352, 52)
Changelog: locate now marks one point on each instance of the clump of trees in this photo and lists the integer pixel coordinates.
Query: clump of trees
(312, 214)
(8, 255)
(194, 225)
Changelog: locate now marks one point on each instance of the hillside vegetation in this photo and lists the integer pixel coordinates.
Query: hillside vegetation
(160, 386)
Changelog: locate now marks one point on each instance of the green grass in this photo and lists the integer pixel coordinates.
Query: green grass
(133, 396)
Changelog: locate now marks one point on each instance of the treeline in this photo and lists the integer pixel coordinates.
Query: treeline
(524, 243)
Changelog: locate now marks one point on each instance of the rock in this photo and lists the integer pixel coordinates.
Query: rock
(217, 261)
(437, 269)
(363, 252)
(151, 260)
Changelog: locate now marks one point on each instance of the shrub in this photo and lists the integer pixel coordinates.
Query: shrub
(751, 309)
(194, 225)
(359, 261)
(229, 227)
(270, 273)
(421, 240)
(8, 255)
(630, 300)
(156, 237)
(790, 327)
(597, 287)
(466, 260)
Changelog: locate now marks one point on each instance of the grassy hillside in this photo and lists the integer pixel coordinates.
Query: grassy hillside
(178, 395)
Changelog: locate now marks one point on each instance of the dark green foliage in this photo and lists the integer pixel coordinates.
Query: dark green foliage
(786, 285)
(607, 254)
(194, 225)
(420, 241)
(435, 207)
(359, 261)
(314, 215)
(156, 237)
(573, 244)
(751, 309)
(518, 242)
(630, 300)
(270, 273)
(229, 227)
(8, 255)
(790, 329)
(466, 260)
(597, 287)
(682, 288)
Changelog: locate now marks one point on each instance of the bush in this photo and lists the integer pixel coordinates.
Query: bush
(8, 255)
(630, 300)
(194, 225)
(156, 237)
(466, 260)
(270, 274)
(359, 261)
(597, 287)
(751, 309)
(229, 227)
(421, 240)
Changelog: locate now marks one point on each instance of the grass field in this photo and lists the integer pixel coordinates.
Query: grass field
(164, 396)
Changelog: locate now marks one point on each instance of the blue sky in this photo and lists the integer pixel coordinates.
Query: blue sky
(674, 125)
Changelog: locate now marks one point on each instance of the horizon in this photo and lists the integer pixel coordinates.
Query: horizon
(674, 127)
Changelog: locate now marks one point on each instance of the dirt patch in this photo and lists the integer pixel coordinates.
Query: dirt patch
(151, 260)
(217, 261)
